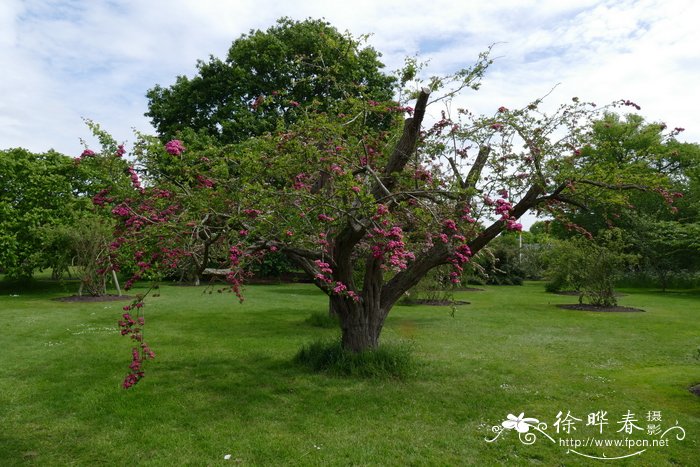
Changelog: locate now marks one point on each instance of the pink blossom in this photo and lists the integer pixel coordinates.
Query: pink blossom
(205, 182)
(512, 224)
(325, 218)
(299, 181)
(174, 147)
(121, 210)
(449, 224)
(252, 213)
(336, 169)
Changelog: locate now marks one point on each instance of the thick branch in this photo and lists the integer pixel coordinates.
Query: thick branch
(304, 260)
(528, 201)
(406, 144)
(404, 280)
(354, 231)
(566, 200)
(475, 172)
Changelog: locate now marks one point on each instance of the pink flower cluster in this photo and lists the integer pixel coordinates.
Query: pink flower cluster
(342, 289)
(252, 213)
(300, 181)
(461, 256)
(204, 182)
(325, 271)
(135, 182)
(423, 174)
(336, 169)
(449, 224)
(382, 210)
(100, 199)
(504, 208)
(174, 147)
(466, 214)
(134, 329)
(121, 210)
(120, 151)
(235, 279)
(235, 255)
(629, 103)
(393, 247)
(512, 224)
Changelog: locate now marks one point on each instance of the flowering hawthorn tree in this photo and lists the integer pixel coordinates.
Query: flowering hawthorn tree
(368, 210)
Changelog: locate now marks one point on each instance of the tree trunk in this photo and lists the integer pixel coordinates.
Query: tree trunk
(361, 323)
(332, 312)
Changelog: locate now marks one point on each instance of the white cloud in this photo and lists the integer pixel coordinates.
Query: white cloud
(67, 59)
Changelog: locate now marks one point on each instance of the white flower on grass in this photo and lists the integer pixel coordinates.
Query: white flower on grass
(227, 457)
(520, 423)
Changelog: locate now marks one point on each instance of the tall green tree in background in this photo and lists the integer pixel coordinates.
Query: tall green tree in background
(36, 192)
(659, 229)
(46, 199)
(267, 79)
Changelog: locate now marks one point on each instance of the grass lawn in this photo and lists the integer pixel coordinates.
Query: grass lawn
(223, 382)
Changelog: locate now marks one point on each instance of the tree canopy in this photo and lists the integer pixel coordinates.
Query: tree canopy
(267, 79)
(36, 192)
(367, 209)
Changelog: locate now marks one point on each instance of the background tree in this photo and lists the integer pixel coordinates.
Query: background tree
(267, 79)
(36, 192)
(656, 224)
(86, 242)
(590, 267)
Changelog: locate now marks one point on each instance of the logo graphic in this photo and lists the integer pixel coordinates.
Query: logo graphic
(564, 433)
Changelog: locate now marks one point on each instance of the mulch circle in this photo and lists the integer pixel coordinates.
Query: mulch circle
(90, 298)
(695, 389)
(605, 309)
(573, 293)
(425, 301)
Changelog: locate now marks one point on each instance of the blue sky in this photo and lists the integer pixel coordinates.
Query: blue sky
(64, 60)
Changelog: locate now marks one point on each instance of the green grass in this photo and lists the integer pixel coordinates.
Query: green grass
(392, 360)
(224, 381)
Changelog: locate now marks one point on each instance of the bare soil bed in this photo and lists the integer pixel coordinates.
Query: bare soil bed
(605, 309)
(90, 298)
(427, 301)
